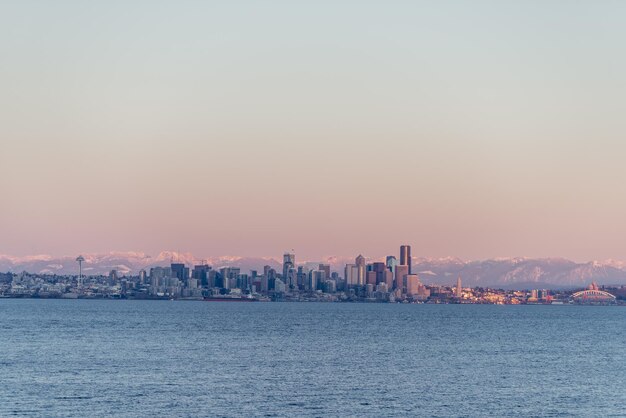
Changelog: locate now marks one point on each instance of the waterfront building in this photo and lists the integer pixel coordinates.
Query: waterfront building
(459, 289)
(423, 292)
(412, 284)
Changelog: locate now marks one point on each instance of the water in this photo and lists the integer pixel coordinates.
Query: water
(146, 358)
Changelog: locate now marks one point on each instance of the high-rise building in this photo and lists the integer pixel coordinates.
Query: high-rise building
(316, 279)
(201, 274)
(405, 256)
(158, 275)
(113, 277)
(351, 275)
(291, 280)
(379, 268)
(360, 264)
(301, 278)
(401, 273)
(412, 284)
(459, 289)
(279, 286)
(391, 262)
(142, 276)
(180, 271)
(389, 279)
(326, 269)
(213, 278)
(289, 262)
(371, 278)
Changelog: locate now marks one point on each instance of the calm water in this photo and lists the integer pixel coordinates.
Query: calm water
(146, 358)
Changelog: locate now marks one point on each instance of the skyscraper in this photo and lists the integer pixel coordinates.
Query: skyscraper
(352, 275)
(113, 277)
(379, 268)
(326, 269)
(360, 264)
(289, 262)
(389, 279)
(391, 262)
(405, 256)
(142, 276)
(458, 288)
(201, 274)
(401, 273)
(412, 284)
(180, 271)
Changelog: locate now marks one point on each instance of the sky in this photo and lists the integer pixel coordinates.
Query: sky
(470, 129)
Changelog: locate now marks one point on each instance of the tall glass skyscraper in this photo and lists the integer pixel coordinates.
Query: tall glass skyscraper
(405, 256)
(289, 262)
(360, 264)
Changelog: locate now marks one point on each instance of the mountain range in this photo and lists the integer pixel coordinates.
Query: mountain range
(500, 272)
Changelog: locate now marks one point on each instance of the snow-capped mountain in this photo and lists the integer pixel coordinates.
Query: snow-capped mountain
(503, 272)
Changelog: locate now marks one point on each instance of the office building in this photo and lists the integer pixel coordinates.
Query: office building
(351, 273)
(412, 284)
(326, 269)
(360, 263)
(289, 262)
(401, 273)
(391, 263)
(405, 256)
(379, 269)
(180, 271)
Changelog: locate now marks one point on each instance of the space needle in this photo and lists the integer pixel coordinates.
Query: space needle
(80, 260)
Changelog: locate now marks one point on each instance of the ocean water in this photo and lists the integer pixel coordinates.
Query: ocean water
(77, 358)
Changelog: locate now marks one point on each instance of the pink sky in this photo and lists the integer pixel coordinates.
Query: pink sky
(217, 130)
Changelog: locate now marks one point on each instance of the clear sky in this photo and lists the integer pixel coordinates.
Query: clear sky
(471, 129)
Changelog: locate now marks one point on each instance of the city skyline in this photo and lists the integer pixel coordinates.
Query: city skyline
(363, 280)
(510, 272)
